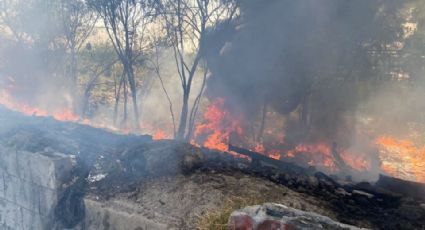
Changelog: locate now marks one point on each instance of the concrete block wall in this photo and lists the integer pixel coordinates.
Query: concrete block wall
(117, 215)
(29, 187)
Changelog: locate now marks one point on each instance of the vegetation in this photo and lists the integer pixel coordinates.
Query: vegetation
(218, 219)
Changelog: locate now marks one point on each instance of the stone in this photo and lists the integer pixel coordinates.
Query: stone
(271, 225)
(276, 216)
(241, 222)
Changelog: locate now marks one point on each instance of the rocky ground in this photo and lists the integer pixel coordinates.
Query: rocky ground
(177, 184)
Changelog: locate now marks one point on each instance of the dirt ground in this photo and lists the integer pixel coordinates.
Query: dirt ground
(180, 201)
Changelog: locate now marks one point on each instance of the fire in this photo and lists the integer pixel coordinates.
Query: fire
(159, 135)
(66, 114)
(274, 154)
(356, 161)
(259, 148)
(318, 154)
(402, 158)
(399, 158)
(218, 126)
(62, 115)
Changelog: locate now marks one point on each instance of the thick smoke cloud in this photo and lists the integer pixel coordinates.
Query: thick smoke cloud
(307, 56)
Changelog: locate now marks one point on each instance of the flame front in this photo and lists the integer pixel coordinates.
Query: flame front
(402, 158)
(217, 127)
(62, 114)
(399, 157)
(318, 154)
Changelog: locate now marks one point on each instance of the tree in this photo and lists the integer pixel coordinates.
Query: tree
(125, 22)
(414, 49)
(78, 22)
(310, 58)
(33, 37)
(187, 23)
(11, 18)
(96, 61)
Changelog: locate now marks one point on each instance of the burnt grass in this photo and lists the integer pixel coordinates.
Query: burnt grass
(128, 160)
(385, 210)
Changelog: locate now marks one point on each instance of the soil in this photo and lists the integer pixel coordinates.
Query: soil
(180, 200)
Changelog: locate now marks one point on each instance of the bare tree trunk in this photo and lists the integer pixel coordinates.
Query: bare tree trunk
(73, 78)
(181, 134)
(263, 122)
(195, 107)
(125, 118)
(117, 98)
(183, 117)
(186, 23)
(86, 100)
(132, 83)
(170, 103)
(87, 94)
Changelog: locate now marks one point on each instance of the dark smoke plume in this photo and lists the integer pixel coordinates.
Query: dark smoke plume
(308, 56)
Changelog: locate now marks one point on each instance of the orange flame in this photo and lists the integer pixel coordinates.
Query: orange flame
(159, 135)
(356, 161)
(62, 115)
(319, 154)
(218, 126)
(402, 158)
(399, 158)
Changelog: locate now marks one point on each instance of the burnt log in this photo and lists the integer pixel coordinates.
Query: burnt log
(259, 160)
(402, 187)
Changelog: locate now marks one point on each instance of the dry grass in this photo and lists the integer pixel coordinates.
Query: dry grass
(218, 219)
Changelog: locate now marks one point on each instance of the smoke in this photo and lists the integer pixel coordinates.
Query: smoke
(303, 71)
(304, 57)
(32, 56)
(337, 71)
(157, 109)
